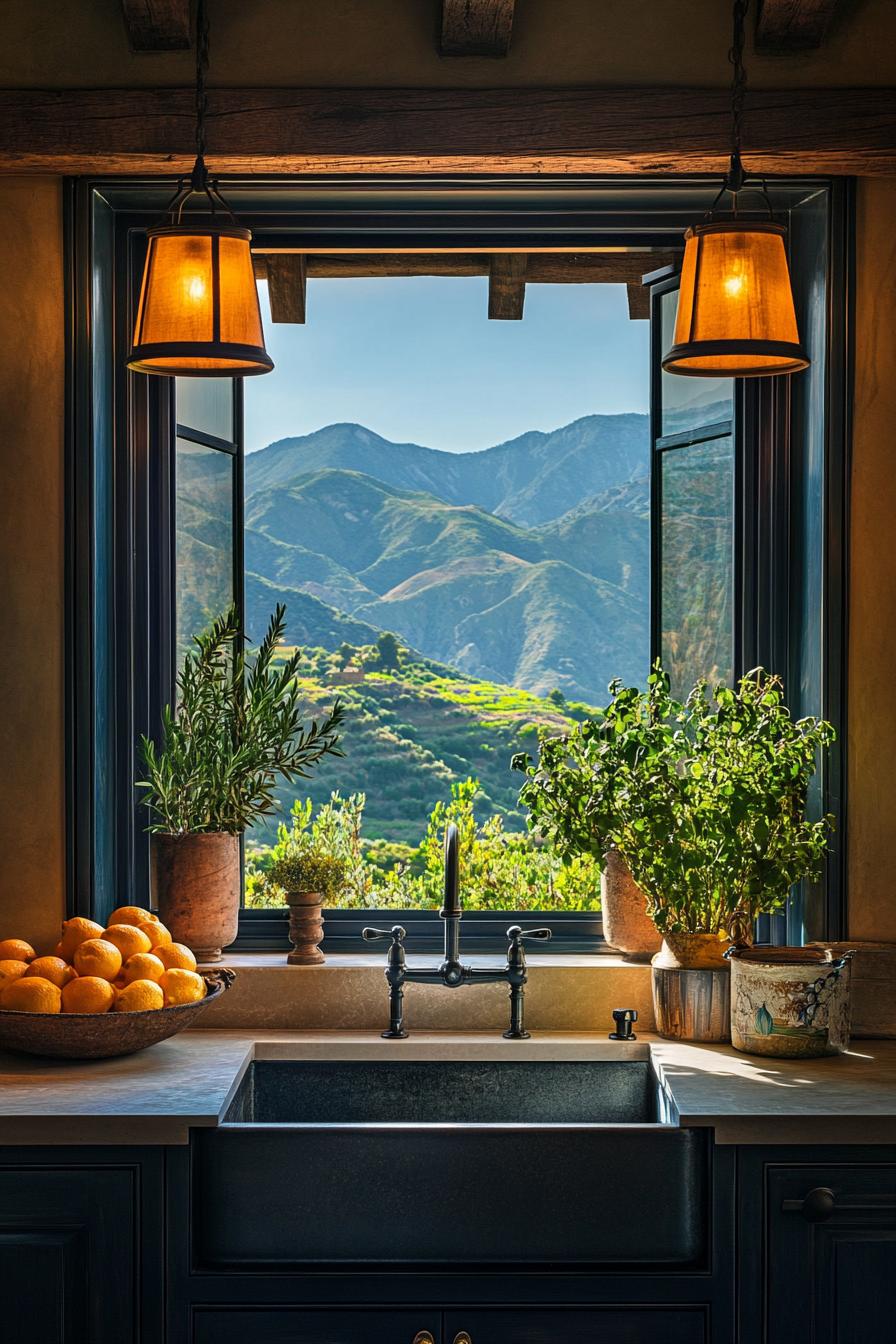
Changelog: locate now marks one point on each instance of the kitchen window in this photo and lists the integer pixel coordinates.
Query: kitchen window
(738, 497)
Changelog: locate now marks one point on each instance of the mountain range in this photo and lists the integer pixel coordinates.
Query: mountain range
(524, 564)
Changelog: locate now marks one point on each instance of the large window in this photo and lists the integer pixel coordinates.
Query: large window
(459, 565)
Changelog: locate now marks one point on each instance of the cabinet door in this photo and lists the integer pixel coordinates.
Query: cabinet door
(68, 1253)
(595, 1325)
(831, 1254)
(318, 1325)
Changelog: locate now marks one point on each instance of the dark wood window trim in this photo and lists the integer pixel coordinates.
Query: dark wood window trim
(119, 542)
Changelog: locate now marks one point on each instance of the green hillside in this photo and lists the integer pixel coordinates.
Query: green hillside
(410, 734)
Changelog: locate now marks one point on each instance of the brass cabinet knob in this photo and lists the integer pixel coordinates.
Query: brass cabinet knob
(462, 1338)
(423, 1337)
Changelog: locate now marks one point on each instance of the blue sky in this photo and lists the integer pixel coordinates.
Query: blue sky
(417, 360)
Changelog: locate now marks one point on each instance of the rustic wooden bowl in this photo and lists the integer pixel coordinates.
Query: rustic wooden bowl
(102, 1035)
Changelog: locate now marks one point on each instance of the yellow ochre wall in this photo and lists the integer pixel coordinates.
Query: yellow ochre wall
(391, 42)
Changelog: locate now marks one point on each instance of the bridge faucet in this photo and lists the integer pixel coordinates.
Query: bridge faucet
(452, 971)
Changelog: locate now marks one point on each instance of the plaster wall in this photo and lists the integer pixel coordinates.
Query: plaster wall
(32, 826)
(82, 43)
(872, 643)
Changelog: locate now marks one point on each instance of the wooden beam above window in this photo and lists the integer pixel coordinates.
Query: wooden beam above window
(157, 25)
(476, 27)
(793, 25)
(286, 275)
(433, 131)
(507, 286)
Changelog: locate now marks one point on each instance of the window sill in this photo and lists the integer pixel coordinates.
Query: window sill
(566, 992)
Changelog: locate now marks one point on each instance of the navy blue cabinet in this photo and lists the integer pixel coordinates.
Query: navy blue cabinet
(314, 1325)
(818, 1247)
(77, 1262)
(558, 1325)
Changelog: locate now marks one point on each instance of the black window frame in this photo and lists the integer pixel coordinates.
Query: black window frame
(119, 485)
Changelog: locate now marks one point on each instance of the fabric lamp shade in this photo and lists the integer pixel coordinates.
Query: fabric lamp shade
(735, 307)
(198, 314)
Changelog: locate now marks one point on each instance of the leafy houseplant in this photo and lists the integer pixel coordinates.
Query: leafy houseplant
(309, 875)
(237, 727)
(576, 796)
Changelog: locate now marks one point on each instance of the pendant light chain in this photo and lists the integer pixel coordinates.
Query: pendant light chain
(201, 73)
(738, 93)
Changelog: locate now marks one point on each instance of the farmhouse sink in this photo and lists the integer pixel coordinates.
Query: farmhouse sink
(449, 1163)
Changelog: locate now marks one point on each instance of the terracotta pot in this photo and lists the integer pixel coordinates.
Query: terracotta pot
(692, 988)
(627, 926)
(306, 928)
(789, 1002)
(196, 881)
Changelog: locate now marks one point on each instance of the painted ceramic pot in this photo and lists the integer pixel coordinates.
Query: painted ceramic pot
(791, 1002)
(626, 923)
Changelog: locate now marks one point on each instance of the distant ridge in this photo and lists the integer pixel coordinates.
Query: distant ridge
(531, 479)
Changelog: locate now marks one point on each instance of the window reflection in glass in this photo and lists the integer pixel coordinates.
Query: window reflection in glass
(204, 542)
(206, 404)
(697, 562)
(689, 403)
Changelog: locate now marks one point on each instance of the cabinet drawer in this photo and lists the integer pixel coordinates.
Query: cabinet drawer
(596, 1325)
(319, 1325)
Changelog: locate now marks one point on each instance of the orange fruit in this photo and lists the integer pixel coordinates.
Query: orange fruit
(130, 914)
(75, 932)
(16, 949)
(157, 934)
(175, 956)
(11, 969)
(128, 939)
(54, 969)
(87, 994)
(98, 957)
(31, 994)
(182, 986)
(143, 966)
(139, 997)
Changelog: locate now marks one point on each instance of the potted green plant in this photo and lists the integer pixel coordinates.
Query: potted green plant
(575, 796)
(713, 827)
(309, 878)
(235, 730)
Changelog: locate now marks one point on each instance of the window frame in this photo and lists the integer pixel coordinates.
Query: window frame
(119, 487)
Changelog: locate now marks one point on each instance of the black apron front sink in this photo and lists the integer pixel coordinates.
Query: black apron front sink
(411, 1164)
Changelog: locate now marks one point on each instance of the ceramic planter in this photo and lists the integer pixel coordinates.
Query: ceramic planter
(791, 1002)
(306, 928)
(691, 984)
(626, 924)
(196, 882)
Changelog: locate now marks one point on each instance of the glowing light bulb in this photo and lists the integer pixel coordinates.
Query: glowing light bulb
(196, 288)
(734, 284)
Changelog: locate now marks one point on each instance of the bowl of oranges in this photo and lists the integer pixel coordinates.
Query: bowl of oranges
(103, 991)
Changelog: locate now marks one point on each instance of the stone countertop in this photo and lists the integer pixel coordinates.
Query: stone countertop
(158, 1095)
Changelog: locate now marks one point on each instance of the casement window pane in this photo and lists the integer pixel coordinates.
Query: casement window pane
(697, 562)
(688, 403)
(206, 404)
(204, 538)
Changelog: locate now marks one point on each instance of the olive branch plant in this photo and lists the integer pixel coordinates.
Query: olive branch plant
(237, 726)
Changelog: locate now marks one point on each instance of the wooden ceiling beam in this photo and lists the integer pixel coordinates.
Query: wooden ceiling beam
(433, 131)
(286, 275)
(157, 25)
(793, 25)
(507, 286)
(607, 268)
(476, 27)
(638, 300)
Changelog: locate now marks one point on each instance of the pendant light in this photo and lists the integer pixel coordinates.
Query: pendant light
(736, 317)
(198, 313)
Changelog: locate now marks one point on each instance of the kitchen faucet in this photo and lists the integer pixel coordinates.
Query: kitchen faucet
(452, 971)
